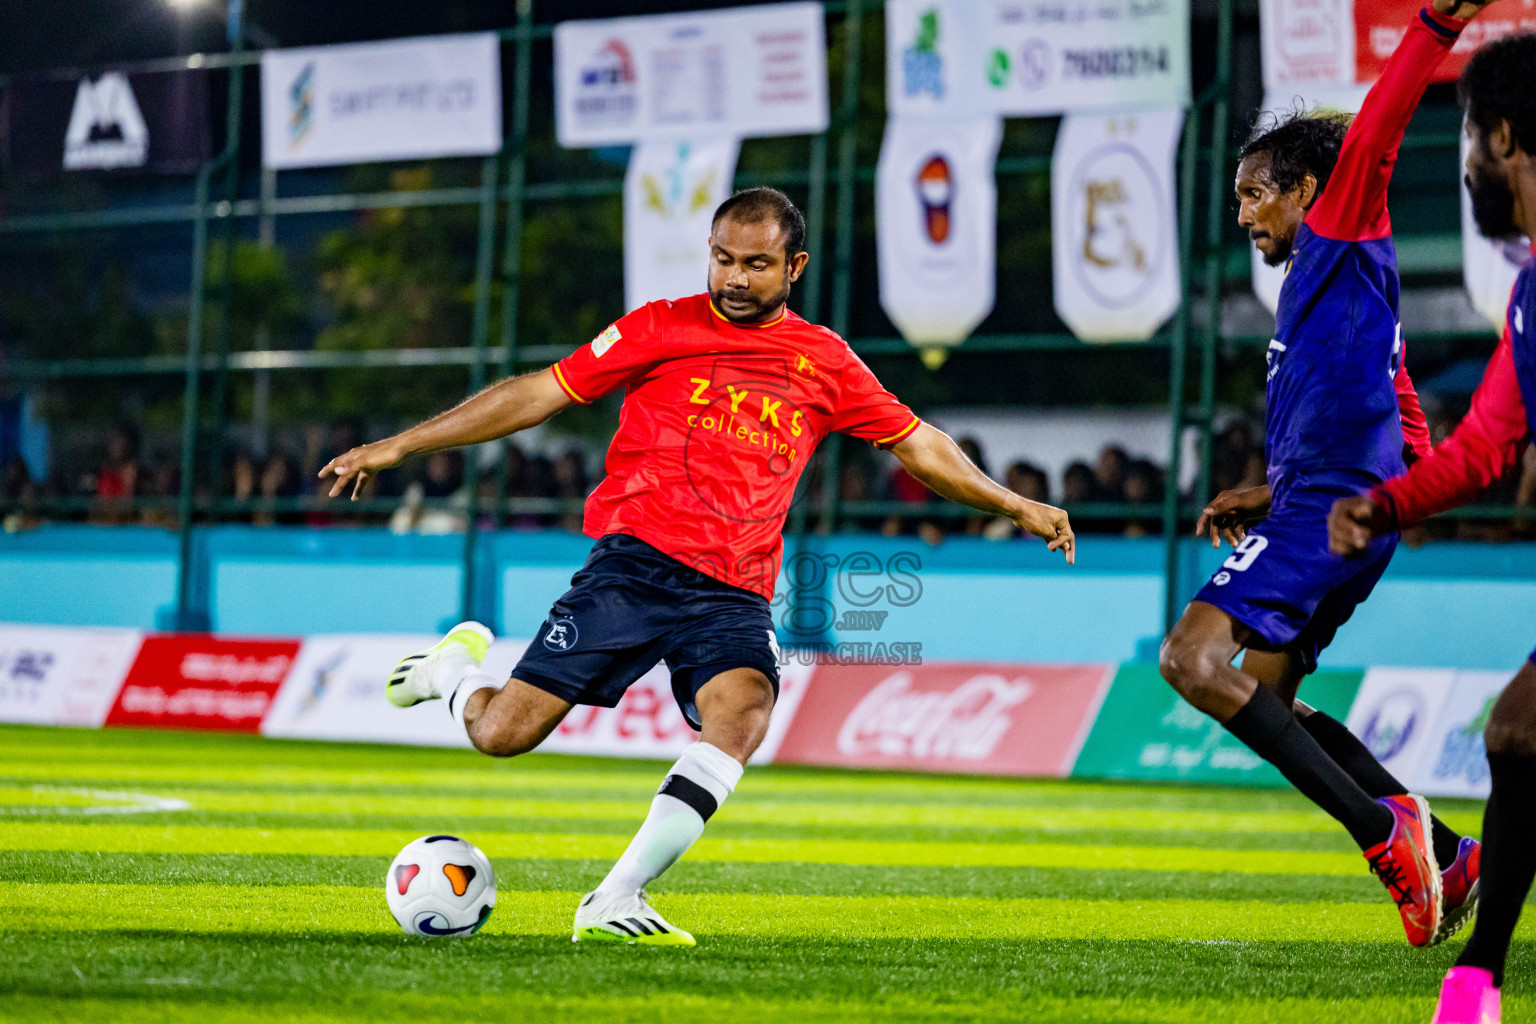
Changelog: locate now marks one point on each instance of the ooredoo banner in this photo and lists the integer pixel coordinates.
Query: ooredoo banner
(1114, 224)
(936, 232)
(403, 99)
(671, 190)
(198, 681)
(1147, 731)
(51, 676)
(741, 73)
(986, 718)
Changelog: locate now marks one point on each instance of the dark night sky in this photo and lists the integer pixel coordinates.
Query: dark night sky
(39, 34)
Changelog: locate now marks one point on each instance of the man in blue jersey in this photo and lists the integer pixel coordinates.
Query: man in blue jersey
(1498, 89)
(1333, 427)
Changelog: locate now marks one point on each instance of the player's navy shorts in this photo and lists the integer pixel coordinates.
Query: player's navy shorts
(629, 607)
(1283, 583)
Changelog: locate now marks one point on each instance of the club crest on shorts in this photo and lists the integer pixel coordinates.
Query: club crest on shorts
(561, 635)
(1222, 578)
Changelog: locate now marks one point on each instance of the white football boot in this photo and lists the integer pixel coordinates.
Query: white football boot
(416, 678)
(624, 917)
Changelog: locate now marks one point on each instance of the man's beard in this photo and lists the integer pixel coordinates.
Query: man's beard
(760, 308)
(1278, 257)
(1493, 206)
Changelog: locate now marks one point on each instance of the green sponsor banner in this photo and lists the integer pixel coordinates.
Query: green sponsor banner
(1146, 731)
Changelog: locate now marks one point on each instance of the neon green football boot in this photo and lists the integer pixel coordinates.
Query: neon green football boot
(624, 917)
(415, 678)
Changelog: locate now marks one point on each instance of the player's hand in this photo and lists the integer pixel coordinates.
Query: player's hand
(1353, 523)
(1463, 9)
(360, 465)
(1225, 516)
(1050, 524)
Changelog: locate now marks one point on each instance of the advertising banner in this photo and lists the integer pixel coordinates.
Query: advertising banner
(1344, 42)
(335, 691)
(936, 227)
(1457, 761)
(1114, 224)
(739, 73)
(671, 190)
(151, 121)
(985, 718)
(404, 99)
(1394, 714)
(1277, 103)
(1034, 58)
(1147, 731)
(51, 676)
(1489, 266)
(197, 681)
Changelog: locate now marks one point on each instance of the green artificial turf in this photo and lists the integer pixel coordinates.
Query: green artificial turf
(171, 877)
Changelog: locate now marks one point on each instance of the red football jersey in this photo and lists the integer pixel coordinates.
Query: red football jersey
(719, 420)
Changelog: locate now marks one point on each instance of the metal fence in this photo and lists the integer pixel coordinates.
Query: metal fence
(831, 179)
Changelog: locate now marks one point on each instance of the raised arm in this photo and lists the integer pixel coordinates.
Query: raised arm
(932, 456)
(1353, 206)
(505, 407)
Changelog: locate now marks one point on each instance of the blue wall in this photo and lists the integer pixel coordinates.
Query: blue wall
(1453, 604)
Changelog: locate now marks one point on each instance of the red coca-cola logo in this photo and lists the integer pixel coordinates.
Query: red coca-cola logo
(985, 718)
(896, 719)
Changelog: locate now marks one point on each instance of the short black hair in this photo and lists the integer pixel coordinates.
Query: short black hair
(754, 205)
(1299, 142)
(1499, 83)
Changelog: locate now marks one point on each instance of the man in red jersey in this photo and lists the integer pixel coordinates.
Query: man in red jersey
(726, 396)
(1500, 100)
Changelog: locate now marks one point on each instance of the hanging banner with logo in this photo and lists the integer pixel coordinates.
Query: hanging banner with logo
(404, 99)
(1348, 42)
(198, 681)
(1114, 224)
(936, 228)
(671, 190)
(1489, 266)
(743, 73)
(1032, 58)
(155, 121)
(1267, 279)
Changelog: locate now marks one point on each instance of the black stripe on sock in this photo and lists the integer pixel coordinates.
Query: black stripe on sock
(680, 787)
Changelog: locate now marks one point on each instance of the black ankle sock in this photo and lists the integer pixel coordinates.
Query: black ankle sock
(1509, 862)
(1357, 760)
(1269, 728)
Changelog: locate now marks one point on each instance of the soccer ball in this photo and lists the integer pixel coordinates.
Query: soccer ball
(440, 885)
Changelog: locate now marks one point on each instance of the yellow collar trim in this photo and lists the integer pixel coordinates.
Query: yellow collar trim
(750, 327)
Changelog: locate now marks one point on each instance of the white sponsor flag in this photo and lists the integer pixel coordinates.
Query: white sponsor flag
(936, 235)
(1114, 224)
(1266, 279)
(1455, 761)
(671, 190)
(404, 99)
(1489, 267)
(1032, 58)
(747, 72)
(1307, 44)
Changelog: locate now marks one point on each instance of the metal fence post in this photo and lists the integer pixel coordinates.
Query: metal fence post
(485, 249)
(512, 251)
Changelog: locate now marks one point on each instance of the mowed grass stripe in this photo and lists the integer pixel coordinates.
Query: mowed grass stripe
(32, 867)
(347, 909)
(737, 811)
(704, 1008)
(120, 838)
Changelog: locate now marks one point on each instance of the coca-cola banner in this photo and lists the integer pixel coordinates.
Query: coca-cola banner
(196, 681)
(973, 717)
(335, 691)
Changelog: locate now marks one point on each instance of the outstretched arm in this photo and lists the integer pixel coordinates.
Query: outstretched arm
(505, 407)
(1353, 206)
(1478, 452)
(932, 457)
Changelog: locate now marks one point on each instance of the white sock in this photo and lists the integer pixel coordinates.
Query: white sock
(693, 790)
(456, 676)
